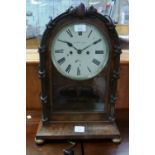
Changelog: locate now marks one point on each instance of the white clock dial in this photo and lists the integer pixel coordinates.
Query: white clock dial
(79, 51)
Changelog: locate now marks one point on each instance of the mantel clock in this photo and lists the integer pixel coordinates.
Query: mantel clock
(79, 67)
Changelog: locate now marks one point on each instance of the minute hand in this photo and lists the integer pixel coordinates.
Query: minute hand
(95, 42)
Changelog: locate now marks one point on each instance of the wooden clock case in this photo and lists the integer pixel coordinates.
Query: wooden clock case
(59, 93)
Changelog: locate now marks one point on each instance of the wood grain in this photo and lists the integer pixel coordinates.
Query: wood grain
(122, 29)
(32, 86)
(93, 130)
(95, 147)
(123, 87)
(33, 81)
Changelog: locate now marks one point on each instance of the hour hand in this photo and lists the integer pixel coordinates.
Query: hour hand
(68, 43)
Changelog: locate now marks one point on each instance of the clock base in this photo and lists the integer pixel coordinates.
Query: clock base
(78, 131)
(116, 140)
(39, 141)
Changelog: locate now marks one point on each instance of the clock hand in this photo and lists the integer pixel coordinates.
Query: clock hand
(95, 42)
(69, 44)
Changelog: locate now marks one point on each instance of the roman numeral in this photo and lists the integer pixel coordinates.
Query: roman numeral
(96, 62)
(89, 69)
(80, 33)
(68, 68)
(61, 61)
(59, 51)
(99, 52)
(89, 33)
(78, 71)
(69, 33)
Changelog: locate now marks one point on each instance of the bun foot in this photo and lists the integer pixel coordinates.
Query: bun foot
(39, 141)
(116, 140)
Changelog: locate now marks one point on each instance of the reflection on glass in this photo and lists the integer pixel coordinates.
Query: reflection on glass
(75, 99)
(90, 97)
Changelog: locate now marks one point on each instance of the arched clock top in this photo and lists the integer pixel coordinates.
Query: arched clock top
(81, 12)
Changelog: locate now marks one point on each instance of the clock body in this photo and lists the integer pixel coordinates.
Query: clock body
(79, 78)
(79, 68)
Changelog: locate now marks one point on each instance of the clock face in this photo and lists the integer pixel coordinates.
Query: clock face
(79, 51)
